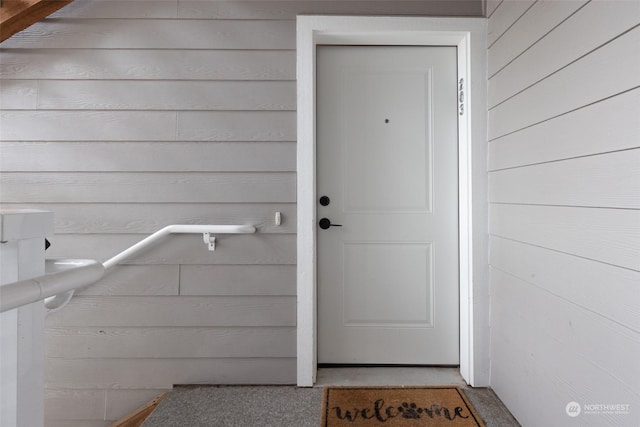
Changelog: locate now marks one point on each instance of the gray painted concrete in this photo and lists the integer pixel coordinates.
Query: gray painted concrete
(277, 406)
(289, 406)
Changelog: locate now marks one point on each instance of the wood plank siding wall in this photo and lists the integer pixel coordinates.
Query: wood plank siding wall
(124, 116)
(564, 182)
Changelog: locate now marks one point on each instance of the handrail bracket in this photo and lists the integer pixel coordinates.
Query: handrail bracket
(210, 241)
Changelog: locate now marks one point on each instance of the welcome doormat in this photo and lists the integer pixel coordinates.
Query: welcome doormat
(398, 406)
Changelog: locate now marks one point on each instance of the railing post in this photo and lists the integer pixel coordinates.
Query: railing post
(22, 234)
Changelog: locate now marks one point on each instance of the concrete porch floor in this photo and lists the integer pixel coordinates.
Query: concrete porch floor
(289, 406)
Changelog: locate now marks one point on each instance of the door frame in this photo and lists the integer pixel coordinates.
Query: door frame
(469, 36)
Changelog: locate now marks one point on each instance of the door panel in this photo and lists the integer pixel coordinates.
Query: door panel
(377, 266)
(387, 159)
(386, 108)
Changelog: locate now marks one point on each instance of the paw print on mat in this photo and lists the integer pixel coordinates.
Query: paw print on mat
(411, 412)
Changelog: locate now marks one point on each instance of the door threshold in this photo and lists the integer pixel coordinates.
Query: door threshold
(381, 365)
(377, 375)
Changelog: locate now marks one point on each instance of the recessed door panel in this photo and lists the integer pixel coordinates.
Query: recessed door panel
(388, 140)
(375, 295)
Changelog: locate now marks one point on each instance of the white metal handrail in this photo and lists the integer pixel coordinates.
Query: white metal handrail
(86, 272)
(24, 292)
(206, 230)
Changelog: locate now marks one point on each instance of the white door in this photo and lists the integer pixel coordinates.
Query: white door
(387, 162)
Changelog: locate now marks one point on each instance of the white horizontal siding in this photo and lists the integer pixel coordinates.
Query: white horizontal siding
(125, 116)
(237, 280)
(128, 9)
(567, 356)
(491, 6)
(99, 125)
(572, 40)
(612, 66)
(183, 311)
(505, 16)
(160, 342)
(541, 18)
(18, 94)
(167, 156)
(607, 235)
(137, 64)
(123, 187)
(236, 126)
(117, 218)
(141, 280)
(565, 210)
(616, 295)
(88, 126)
(157, 34)
(610, 179)
(60, 404)
(566, 323)
(165, 95)
(606, 126)
(157, 373)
